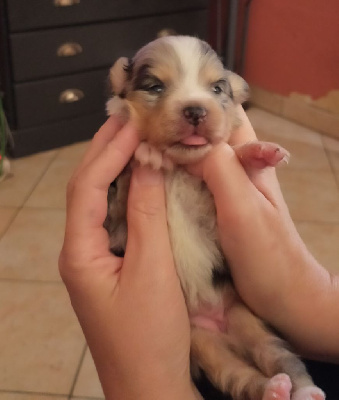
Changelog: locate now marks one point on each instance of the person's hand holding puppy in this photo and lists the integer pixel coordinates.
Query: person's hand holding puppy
(272, 269)
(131, 309)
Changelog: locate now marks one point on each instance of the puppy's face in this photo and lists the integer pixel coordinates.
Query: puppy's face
(179, 94)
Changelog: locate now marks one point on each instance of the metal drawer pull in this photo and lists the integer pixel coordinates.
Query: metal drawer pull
(69, 49)
(65, 3)
(71, 96)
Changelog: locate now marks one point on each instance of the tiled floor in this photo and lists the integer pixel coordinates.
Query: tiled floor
(43, 355)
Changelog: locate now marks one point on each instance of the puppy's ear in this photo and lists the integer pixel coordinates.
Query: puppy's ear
(240, 88)
(119, 74)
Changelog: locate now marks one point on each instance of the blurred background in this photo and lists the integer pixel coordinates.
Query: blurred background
(54, 61)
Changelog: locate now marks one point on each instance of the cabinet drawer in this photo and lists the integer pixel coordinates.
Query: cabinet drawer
(58, 98)
(56, 134)
(33, 14)
(35, 55)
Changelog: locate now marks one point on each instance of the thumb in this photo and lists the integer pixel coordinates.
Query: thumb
(148, 238)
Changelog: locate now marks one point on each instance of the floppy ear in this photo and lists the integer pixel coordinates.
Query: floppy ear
(239, 87)
(118, 75)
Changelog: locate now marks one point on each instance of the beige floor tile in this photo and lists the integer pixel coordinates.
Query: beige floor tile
(40, 339)
(74, 151)
(322, 240)
(6, 217)
(332, 148)
(27, 396)
(26, 173)
(88, 383)
(30, 247)
(310, 195)
(304, 144)
(87, 398)
(51, 190)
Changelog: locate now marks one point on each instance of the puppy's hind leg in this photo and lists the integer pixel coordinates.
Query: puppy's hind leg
(213, 354)
(278, 388)
(267, 351)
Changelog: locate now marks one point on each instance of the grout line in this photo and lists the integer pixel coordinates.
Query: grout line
(46, 168)
(31, 281)
(327, 152)
(77, 372)
(24, 392)
(19, 208)
(15, 214)
(46, 394)
(44, 208)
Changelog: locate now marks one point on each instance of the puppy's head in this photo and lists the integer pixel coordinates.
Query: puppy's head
(179, 94)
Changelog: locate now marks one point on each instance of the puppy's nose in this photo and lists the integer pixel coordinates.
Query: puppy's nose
(194, 114)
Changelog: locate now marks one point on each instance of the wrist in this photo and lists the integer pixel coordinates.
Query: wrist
(146, 384)
(152, 390)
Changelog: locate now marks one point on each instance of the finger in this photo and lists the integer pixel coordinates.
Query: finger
(264, 180)
(245, 132)
(147, 221)
(104, 135)
(87, 200)
(235, 196)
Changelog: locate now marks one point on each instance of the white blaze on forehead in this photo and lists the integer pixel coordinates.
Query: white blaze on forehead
(189, 51)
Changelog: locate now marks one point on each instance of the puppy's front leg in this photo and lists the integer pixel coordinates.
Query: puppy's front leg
(147, 154)
(261, 154)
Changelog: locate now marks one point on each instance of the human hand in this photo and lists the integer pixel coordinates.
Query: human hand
(272, 269)
(131, 309)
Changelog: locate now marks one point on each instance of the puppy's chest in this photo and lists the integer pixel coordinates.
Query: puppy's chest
(193, 233)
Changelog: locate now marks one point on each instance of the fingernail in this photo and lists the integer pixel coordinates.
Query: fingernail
(146, 176)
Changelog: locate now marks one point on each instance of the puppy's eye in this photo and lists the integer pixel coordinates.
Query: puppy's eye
(155, 89)
(216, 89)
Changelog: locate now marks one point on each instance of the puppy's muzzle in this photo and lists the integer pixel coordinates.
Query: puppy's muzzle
(194, 114)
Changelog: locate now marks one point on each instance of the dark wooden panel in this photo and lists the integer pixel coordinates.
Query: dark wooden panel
(38, 102)
(61, 133)
(34, 54)
(32, 14)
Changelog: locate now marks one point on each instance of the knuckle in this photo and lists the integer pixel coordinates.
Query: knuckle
(147, 210)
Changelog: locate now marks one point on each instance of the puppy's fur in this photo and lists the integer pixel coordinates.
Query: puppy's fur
(184, 102)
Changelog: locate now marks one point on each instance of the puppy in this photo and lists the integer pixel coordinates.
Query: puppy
(184, 102)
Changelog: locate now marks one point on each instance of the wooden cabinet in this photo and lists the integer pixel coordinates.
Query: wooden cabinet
(55, 56)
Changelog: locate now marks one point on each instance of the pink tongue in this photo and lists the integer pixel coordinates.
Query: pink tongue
(194, 140)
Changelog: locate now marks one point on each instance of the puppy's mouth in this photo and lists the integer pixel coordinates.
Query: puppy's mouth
(194, 140)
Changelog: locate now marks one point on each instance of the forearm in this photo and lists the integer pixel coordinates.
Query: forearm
(293, 292)
(146, 387)
(273, 272)
(309, 316)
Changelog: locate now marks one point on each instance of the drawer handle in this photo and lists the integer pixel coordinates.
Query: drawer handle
(71, 96)
(65, 3)
(69, 49)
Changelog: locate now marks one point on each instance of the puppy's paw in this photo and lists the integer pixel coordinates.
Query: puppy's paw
(278, 388)
(261, 154)
(147, 154)
(309, 393)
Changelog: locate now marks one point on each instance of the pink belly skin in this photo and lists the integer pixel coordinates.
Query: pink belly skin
(210, 318)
